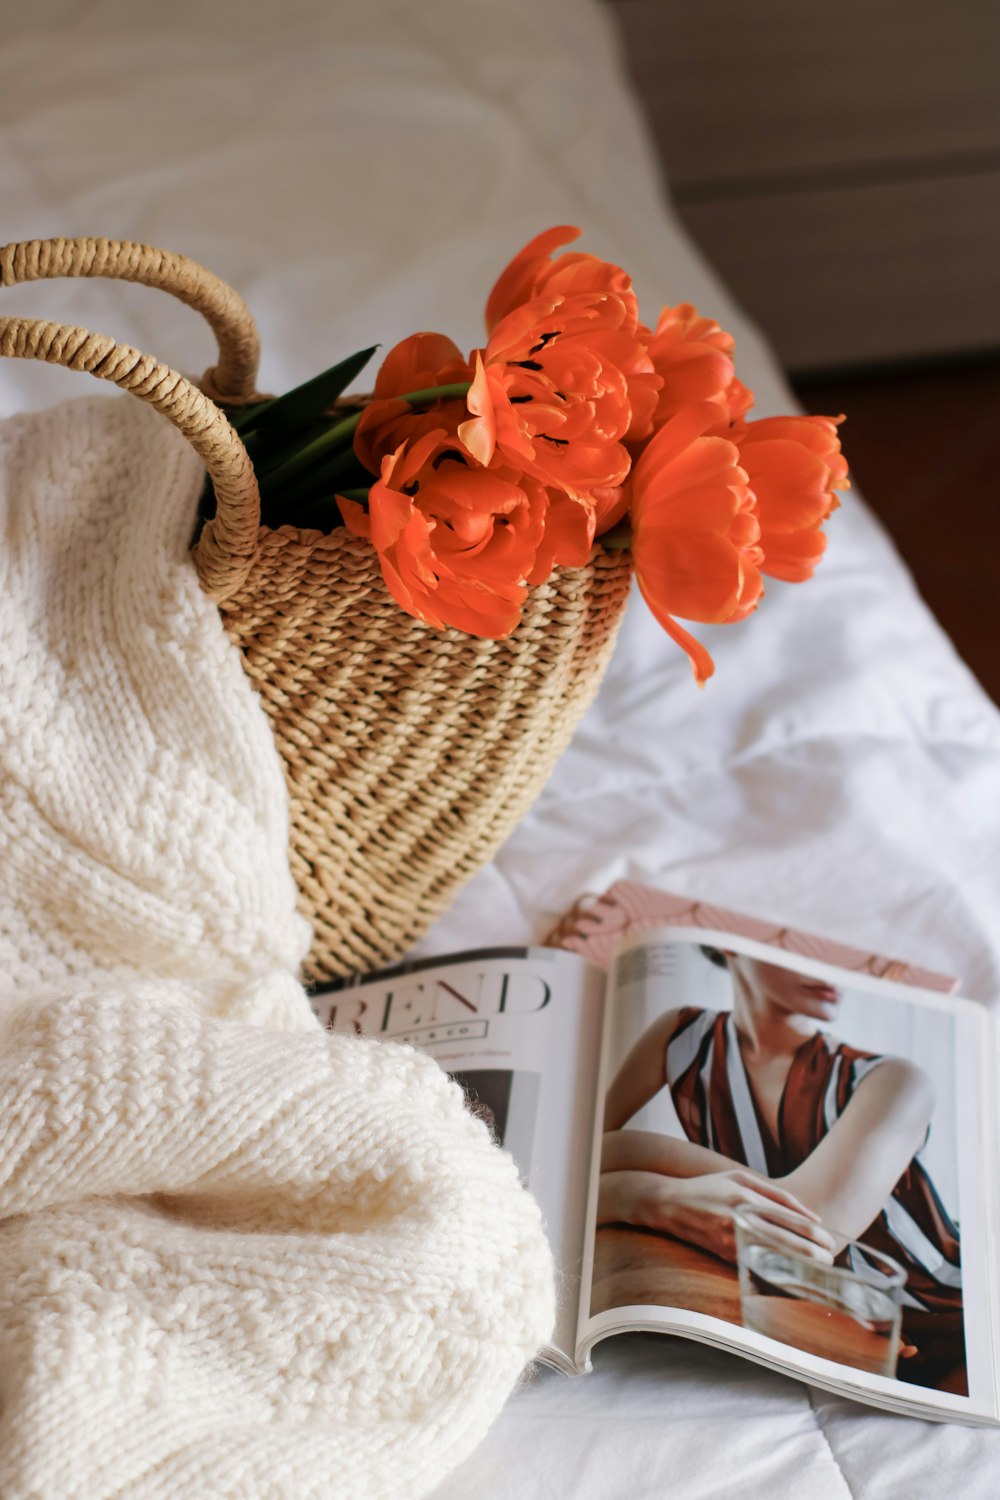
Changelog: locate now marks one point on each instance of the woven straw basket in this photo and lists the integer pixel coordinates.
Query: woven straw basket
(409, 753)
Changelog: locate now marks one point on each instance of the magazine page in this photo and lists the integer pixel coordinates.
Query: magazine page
(520, 1029)
(798, 1164)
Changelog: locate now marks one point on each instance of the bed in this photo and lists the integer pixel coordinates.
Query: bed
(363, 169)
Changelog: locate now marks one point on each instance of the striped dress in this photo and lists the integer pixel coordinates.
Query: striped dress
(717, 1109)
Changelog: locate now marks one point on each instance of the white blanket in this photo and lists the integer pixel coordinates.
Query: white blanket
(363, 170)
(235, 1259)
(143, 818)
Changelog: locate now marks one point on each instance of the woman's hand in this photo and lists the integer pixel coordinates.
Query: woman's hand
(700, 1210)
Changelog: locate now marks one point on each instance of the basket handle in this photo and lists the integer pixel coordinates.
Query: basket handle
(232, 382)
(225, 550)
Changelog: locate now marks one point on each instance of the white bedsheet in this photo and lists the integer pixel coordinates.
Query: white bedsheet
(361, 170)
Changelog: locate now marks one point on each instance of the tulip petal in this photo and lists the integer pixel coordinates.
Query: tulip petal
(479, 433)
(675, 438)
(693, 357)
(376, 429)
(610, 505)
(696, 575)
(417, 362)
(793, 557)
(795, 466)
(790, 482)
(356, 518)
(702, 664)
(568, 536)
(515, 283)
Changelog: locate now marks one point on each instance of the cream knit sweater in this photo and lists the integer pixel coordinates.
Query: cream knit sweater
(239, 1257)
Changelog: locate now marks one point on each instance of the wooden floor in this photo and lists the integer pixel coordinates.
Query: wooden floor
(924, 450)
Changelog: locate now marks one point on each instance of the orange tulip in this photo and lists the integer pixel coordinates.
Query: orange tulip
(694, 532)
(739, 399)
(567, 538)
(694, 358)
(578, 274)
(532, 277)
(567, 438)
(610, 507)
(554, 391)
(516, 283)
(455, 541)
(795, 466)
(417, 363)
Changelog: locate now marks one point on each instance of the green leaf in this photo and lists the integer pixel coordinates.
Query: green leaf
(272, 449)
(343, 470)
(304, 406)
(321, 515)
(244, 418)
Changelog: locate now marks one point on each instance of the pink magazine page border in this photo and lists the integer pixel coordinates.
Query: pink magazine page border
(596, 924)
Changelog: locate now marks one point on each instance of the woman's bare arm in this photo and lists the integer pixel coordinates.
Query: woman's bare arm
(657, 1182)
(643, 1073)
(649, 1151)
(850, 1175)
(699, 1209)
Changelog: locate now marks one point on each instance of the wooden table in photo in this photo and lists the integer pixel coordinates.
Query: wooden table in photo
(638, 1267)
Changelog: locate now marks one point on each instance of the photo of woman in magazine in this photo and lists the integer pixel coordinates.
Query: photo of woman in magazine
(816, 1141)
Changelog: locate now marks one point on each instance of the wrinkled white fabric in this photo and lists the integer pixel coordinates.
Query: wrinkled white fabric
(361, 171)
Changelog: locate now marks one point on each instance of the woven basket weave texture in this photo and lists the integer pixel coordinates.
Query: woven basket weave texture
(410, 753)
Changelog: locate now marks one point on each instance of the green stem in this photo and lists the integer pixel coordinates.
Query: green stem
(337, 435)
(437, 393)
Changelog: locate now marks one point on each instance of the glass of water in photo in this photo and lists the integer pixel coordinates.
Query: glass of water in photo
(846, 1312)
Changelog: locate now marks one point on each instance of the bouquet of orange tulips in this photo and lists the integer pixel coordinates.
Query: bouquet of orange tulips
(473, 477)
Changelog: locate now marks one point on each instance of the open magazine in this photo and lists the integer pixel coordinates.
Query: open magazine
(737, 1143)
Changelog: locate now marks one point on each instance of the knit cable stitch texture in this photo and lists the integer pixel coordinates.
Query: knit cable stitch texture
(239, 1256)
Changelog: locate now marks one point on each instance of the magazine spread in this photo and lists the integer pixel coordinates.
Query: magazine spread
(737, 1143)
